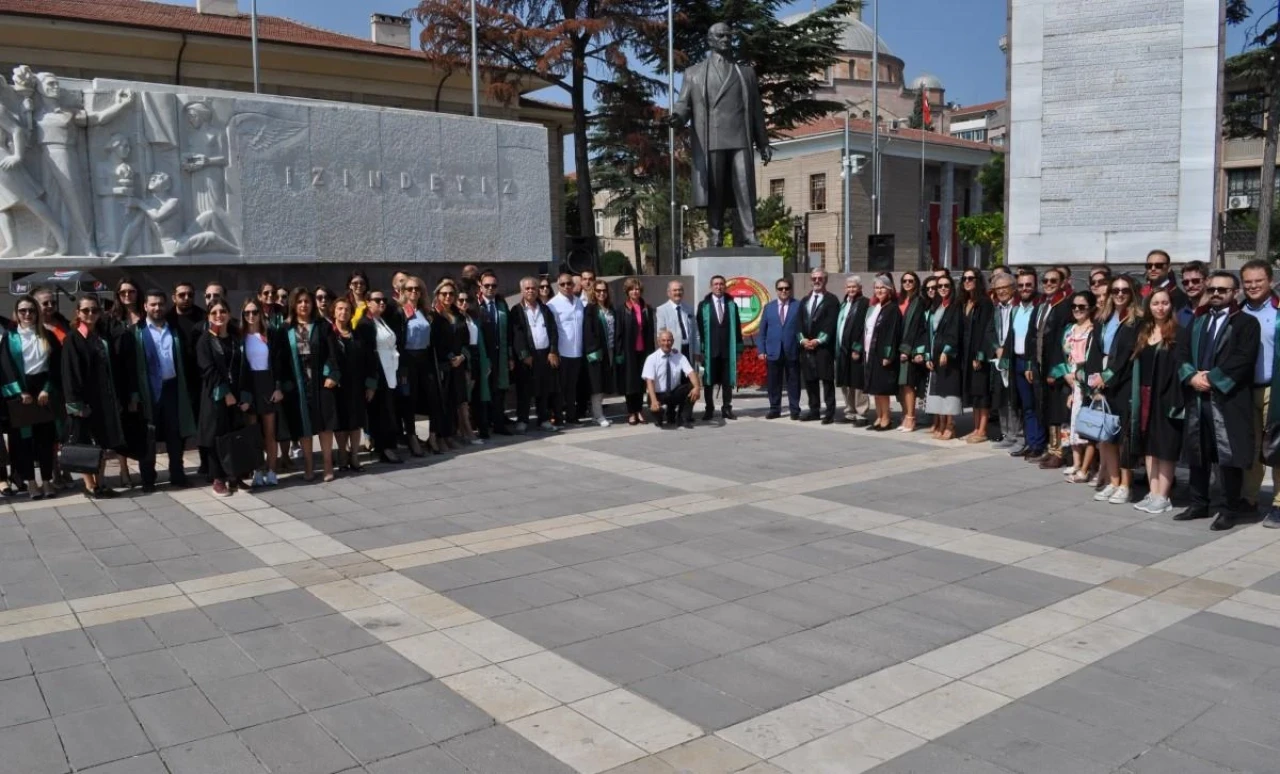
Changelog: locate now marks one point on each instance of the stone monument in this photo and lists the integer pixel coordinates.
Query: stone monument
(1114, 128)
(116, 173)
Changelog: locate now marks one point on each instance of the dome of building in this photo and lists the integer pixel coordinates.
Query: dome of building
(926, 81)
(857, 34)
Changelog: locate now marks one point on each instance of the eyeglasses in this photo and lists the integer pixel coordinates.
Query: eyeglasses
(183, 295)
(463, 300)
(565, 284)
(378, 300)
(411, 289)
(1121, 291)
(27, 310)
(1157, 265)
(1097, 283)
(544, 287)
(944, 286)
(970, 278)
(321, 297)
(784, 288)
(90, 310)
(211, 296)
(908, 281)
(46, 304)
(1192, 280)
(218, 313)
(127, 292)
(446, 293)
(1215, 290)
(1079, 307)
(489, 285)
(355, 282)
(1026, 286)
(1050, 280)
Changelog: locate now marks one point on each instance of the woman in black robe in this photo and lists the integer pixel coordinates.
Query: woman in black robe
(125, 316)
(849, 371)
(385, 341)
(976, 340)
(1110, 369)
(451, 361)
(879, 348)
(600, 348)
(636, 341)
(356, 363)
(260, 385)
(222, 407)
(89, 384)
(1155, 424)
(913, 376)
(305, 351)
(31, 371)
(946, 383)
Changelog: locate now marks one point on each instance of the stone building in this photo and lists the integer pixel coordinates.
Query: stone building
(208, 46)
(987, 122)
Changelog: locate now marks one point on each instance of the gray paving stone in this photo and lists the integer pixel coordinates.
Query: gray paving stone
(739, 677)
(379, 668)
(58, 651)
(296, 745)
(224, 754)
(240, 615)
(894, 632)
(607, 657)
(1114, 702)
(1097, 744)
(101, 735)
(970, 608)
(840, 661)
(1171, 664)
(1228, 749)
(370, 730)
(500, 749)
(143, 674)
(249, 700)
(436, 711)
(752, 623)
(32, 748)
(293, 605)
(1162, 760)
(211, 660)
(937, 759)
(695, 701)
(275, 646)
(13, 660)
(317, 683)
(427, 759)
(1027, 586)
(21, 702)
(332, 634)
(708, 635)
(76, 688)
(141, 764)
(178, 716)
(1018, 753)
(124, 638)
(182, 627)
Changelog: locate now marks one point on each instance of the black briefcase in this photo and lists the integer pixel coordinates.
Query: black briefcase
(27, 414)
(240, 451)
(80, 458)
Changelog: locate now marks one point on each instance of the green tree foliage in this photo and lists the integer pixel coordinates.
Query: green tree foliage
(572, 222)
(1259, 67)
(984, 230)
(771, 210)
(780, 238)
(991, 178)
(614, 263)
(917, 114)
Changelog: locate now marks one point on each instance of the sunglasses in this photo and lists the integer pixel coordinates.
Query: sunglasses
(411, 289)
(27, 310)
(1216, 290)
(908, 281)
(944, 286)
(218, 313)
(251, 313)
(544, 287)
(1050, 280)
(90, 310)
(1079, 307)
(1157, 265)
(321, 297)
(353, 283)
(565, 284)
(782, 288)
(489, 285)
(970, 279)
(446, 293)
(378, 300)
(127, 292)
(1192, 280)
(183, 295)
(1121, 292)
(463, 300)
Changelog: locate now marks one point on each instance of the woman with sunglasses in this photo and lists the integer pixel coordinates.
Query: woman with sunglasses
(477, 369)
(946, 383)
(324, 297)
(89, 384)
(259, 379)
(636, 337)
(272, 313)
(600, 348)
(219, 356)
(879, 348)
(307, 362)
(449, 346)
(356, 363)
(31, 370)
(1110, 370)
(1077, 341)
(912, 374)
(385, 340)
(1099, 282)
(545, 291)
(357, 291)
(420, 391)
(119, 325)
(1157, 400)
(975, 337)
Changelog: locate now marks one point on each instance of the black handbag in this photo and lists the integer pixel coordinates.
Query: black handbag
(80, 458)
(240, 451)
(1271, 445)
(28, 414)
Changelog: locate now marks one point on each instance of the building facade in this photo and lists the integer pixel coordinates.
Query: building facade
(987, 122)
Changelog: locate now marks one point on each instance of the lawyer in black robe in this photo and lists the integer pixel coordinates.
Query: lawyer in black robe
(817, 362)
(850, 322)
(886, 338)
(535, 379)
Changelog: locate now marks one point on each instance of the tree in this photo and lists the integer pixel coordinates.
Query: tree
(1258, 66)
(991, 178)
(572, 222)
(770, 210)
(984, 230)
(614, 263)
(917, 114)
(780, 239)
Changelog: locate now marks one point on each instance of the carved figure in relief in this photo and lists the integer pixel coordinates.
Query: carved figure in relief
(18, 189)
(205, 158)
(58, 131)
(117, 191)
(166, 216)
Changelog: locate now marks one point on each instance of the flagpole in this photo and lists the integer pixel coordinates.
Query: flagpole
(677, 240)
(475, 65)
(253, 44)
(875, 115)
(923, 213)
(846, 175)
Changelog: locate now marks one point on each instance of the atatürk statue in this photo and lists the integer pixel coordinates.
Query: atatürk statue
(723, 99)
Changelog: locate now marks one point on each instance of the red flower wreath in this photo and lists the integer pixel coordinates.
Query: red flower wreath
(751, 370)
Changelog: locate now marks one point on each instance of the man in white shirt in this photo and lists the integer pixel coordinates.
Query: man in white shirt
(677, 317)
(567, 309)
(671, 382)
(535, 340)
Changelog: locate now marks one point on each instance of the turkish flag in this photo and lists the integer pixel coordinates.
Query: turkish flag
(925, 112)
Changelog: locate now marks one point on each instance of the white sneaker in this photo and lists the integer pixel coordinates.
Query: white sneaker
(1156, 505)
(1120, 496)
(1141, 505)
(603, 422)
(1105, 493)
(476, 442)
(258, 479)
(1069, 471)
(547, 427)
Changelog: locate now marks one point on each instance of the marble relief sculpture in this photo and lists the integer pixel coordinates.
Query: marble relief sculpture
(18, 189)
(166, 216)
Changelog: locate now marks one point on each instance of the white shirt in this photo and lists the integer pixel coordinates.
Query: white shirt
(538, 328)
(257, 351)
(872, 315)
(663, 370)
(473, 331)
(388, 356)
(719, 300)
(163, 340)
(35, 353)
(568, 312)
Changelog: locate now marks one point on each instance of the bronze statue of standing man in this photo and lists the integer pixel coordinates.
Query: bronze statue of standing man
(723, 98)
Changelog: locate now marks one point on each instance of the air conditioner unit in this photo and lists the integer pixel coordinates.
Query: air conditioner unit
(1238, 203)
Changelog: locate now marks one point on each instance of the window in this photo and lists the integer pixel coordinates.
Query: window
(1248, 182)
(1256, 117)
(599, 222)
(818, 191)
(973, 135)
(778, 187)
(817, 255)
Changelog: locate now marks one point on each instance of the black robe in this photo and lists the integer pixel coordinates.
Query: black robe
(915, 341)
(88, 379)
(818, 364)
(600, 350)
(15, 381)
(886, 339)
(521, 338)
(309, 406)
(850, 372)
(1228, 441)
(218, 358)
(133, 421)
(1051, 399)
(947, 381)
(629, 379)
(190, 325)
(1157, 367)
(1001, 359)
(1117, 377)
(976, 342)
(358, 364)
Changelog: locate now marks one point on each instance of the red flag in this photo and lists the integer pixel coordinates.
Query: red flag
(925, 112)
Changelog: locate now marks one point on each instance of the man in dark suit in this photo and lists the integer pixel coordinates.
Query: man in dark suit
(780, 332)
(495, 328)
(161, 390)
(1051, 316)
(1216, 363)
(721, 342)
(818, 313)
(534, 341)
(187, 318)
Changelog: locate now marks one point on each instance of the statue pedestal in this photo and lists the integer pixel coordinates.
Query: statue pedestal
(750, 273)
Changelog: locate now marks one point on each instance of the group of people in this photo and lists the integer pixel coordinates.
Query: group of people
(1093, 382)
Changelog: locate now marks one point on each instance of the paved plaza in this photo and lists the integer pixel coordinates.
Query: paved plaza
(756, 596)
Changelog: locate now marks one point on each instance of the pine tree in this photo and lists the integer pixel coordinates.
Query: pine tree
(917, 114)
(1259, 66)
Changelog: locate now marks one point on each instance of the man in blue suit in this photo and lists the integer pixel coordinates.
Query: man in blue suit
(779, 330)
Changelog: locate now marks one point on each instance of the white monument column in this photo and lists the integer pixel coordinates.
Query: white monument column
(945, 222)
